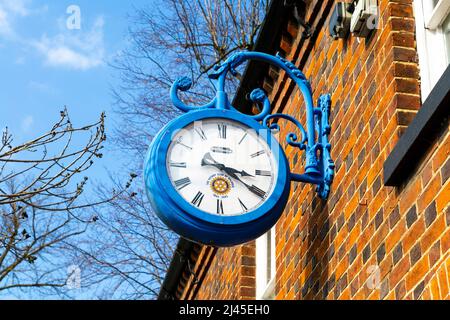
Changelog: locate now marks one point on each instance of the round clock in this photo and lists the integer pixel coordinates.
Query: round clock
(217, 177)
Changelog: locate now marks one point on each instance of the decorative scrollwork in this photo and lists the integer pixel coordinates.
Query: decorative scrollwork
(319, 170)
(259, 96)
(230, 65)
(295, 71)
(184, 84)
(291, 137)
(324, 129)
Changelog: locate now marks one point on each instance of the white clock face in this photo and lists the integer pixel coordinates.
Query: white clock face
(221, 167)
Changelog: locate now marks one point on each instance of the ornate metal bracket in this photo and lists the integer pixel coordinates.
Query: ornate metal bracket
(319, 166)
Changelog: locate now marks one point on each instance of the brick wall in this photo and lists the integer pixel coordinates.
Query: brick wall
(335, 249)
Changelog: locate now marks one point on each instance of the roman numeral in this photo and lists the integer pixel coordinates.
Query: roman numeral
(182, 183)
(182, 144)
(245, 135)
(178, 164)
(242, 205)
(197, 201)
(260, 193)
(257, 154)
(219, 206)
(201, 133)
(222, 130)
(263, 173)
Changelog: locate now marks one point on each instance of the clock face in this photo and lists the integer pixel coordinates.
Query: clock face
(221, 167)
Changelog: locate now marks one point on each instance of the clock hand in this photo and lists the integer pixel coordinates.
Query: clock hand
(260, 193)
(242, 173)
(209, 160)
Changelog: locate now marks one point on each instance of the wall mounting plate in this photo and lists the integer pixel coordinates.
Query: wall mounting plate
(339, 25)
(365, 18)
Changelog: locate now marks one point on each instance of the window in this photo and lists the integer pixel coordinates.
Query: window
(433, 40)
(433, 46)
(265, 266)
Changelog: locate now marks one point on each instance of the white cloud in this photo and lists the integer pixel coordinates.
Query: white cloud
(9, 11)
(74, 49)
(19, 7)
(5, 28)
(27, 123)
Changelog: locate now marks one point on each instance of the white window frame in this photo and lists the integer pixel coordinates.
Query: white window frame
(431, 43)
(265, 290)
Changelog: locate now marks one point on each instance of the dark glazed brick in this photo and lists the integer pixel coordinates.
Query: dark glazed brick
(313, 234)
(352, 254)
(447, 216)
(365, 219)
(333, 232)
(430, 214)
(435, 253)
(325, 291)
(324, 230)
(296, 259)
(397, 254)
(372, 122)
(394, 217)
(345, 76)
(361, 157)
(340, 222)
(343, 282)
(351, 222)
(331, 281)
(411, 216)
(366, 253)
(341, 252)
(375, 151)
(331, 252)
(379, 219)
(351, 190)
(376, 185)
(354, 286)
(418, 290)
(363, 188)
(313, 262)
(358, 97)
(445, 171)
(372, 90)
(381, 252)
(349, 161)
(415, 254)
(357, 70)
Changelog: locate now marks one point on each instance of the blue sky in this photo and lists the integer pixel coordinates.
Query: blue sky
(46, 62)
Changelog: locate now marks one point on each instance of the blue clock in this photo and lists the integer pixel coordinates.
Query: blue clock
(219, 177)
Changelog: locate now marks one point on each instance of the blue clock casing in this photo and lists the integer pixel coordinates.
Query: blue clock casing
(227, 230)
(195, 224)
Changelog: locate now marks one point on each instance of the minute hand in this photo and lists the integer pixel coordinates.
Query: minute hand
(209, 160)
(260, 193)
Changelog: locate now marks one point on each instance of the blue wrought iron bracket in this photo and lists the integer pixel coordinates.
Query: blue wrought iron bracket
(319, 166)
